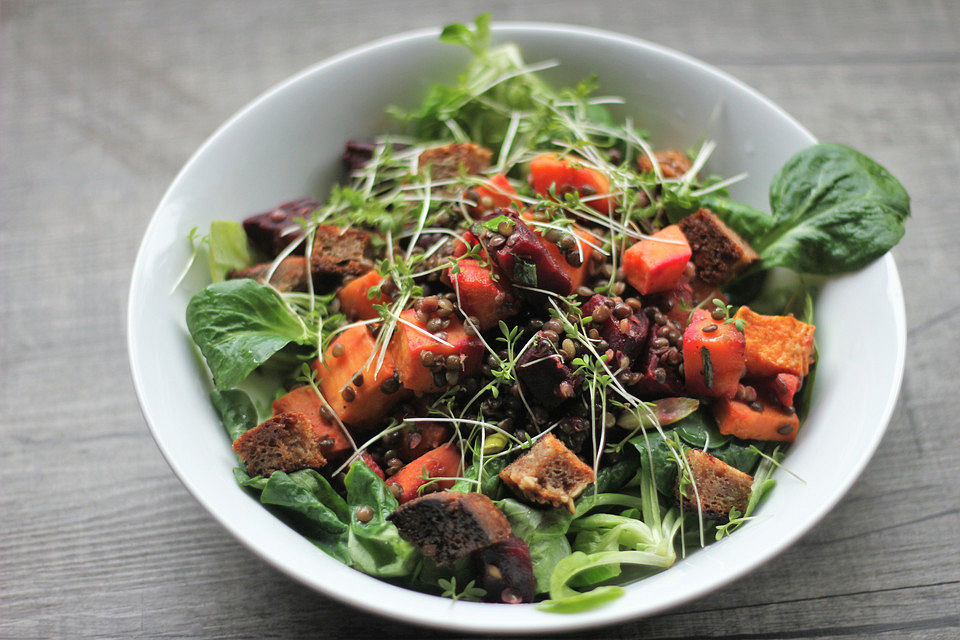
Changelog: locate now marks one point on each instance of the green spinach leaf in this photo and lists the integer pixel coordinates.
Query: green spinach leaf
(228, 248)
(836, 210)
(238, 325)
(236, 410)
(302, 493)
(375, 546)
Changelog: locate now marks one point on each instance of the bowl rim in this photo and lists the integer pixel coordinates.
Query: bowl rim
(565, 622)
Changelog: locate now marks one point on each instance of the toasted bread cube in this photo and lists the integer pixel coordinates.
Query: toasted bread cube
(673, 163)
(776, 344)
(719, 486)
(447, 161)
(333, 441)
(548, 474)
(341, 252)
(719, 253)
(448, 525)
(290, 275)
(285, 442)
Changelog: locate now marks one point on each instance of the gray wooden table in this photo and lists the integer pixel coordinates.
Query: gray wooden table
(102, 102)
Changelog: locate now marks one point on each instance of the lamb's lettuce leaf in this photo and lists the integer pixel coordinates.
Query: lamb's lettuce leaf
(238, 325)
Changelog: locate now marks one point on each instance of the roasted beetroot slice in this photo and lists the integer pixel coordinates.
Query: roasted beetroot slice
(272, 231)
(545, 378)
(521, 254)
(506, 571)
(626, 336)
(356, 153)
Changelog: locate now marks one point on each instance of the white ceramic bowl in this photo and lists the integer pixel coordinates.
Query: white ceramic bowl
(287, 144)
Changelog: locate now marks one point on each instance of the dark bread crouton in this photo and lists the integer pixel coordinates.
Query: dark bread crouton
(445, 162)
(673, 163)
(290, 275)
(448, 525)
(341, 251)
(272, 231)
(285, 442)
(549, 473)
(718, 252)
(720, 487)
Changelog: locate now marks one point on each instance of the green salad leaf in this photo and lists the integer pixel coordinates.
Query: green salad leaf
(836, 210)
(228, 248)
(375, 546)
(236, 410)
(238, 325)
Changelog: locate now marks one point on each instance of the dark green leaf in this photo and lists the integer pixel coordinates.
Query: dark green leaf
(238, 325)
(836, 210)
(375, 546)
(236, 410)
(303, 496)
(699, 430)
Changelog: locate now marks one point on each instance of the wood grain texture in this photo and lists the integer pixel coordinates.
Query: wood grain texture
(101, 102)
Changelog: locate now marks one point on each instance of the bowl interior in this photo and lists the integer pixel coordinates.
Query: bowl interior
(287, 144)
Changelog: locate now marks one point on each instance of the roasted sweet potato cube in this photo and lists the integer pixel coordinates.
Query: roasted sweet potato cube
(656, 263)
(480, 295)
(333, 441)
(495, 193)
(562, 175)
(719, 253)
(713, 356)
(448, 525)
(549, 473)
(776, 344)
(357, 393)
(411, 339)
(285, 442)
(447, 161)
(442, 462)
(744, 421)
(355, 302)
(719, 487)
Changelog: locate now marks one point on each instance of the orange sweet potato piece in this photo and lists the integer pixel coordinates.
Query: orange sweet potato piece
(657, 263)
(725, 345)
(495, 193)
(481, 296)
(741, 420)
(442, 462)
(776, 344)
(306, 401)
(408, 343)
(353, 296)
(337, 373)
(419, 438)
(565, 175)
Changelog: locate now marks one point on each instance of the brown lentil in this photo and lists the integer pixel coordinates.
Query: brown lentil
(395, 489)
(710, 328)
(348, 394)
(621, 311)
(358, 379)
(718, 314)
(427, 358)
(364, 514)
(574, 259)
(390, 385)
(434, 325)
(338, 350)
(569, 349)
(756, 406)
(505, 227)
(785, 428)
(550, 335)
(601, 314)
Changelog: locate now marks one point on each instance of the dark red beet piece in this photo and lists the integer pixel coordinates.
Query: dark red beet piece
(626, 336)
(545, 378)
(272, 231)
(523, 257)
(506, 571)
(356, 153)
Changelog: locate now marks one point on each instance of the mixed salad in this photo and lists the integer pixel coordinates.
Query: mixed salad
(518, 355)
